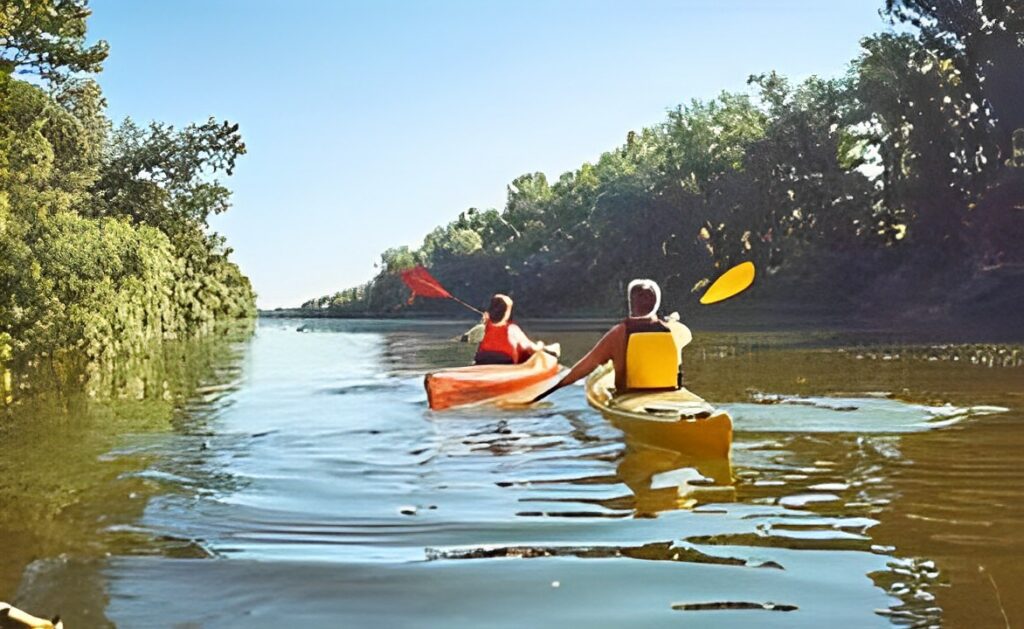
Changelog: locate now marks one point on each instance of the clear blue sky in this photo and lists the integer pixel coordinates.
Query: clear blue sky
(370, 122)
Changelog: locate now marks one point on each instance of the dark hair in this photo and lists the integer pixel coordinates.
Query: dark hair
(500, 306)
(641, 299)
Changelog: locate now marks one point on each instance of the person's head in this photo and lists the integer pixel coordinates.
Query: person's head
(500, 309)
(644, 298)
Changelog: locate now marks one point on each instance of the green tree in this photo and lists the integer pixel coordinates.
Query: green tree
(164, 177)
(47, 38)
(984, 41)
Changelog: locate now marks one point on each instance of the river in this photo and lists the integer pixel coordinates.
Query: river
(297, 478)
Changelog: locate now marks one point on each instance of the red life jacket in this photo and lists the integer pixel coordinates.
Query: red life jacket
(496, 341)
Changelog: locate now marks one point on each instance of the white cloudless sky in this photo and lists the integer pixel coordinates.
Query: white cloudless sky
(370, 122)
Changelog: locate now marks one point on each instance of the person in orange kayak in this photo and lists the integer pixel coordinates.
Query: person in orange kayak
(644, 348)
(504, 342)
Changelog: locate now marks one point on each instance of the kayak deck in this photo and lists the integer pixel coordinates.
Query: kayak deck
(478, 384)
(676, 420)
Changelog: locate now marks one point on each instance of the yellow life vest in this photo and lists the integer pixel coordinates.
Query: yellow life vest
(652, 361)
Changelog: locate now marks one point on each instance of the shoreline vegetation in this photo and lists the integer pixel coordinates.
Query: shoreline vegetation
(104, 244)
(890, 196)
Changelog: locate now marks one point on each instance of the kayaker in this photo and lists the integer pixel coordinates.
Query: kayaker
(645, 349)
(504, 342)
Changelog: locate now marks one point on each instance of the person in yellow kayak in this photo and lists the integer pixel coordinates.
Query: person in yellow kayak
(504, 342)
(645, 349)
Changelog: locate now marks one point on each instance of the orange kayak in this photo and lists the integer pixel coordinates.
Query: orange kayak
(491, 383)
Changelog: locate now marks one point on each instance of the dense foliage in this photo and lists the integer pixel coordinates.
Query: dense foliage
(103, 240)
(893, 189)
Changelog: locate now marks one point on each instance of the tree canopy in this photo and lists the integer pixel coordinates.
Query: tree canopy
(47, 38)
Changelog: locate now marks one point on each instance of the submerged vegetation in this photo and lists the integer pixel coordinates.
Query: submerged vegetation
(104, 248)
(896, 191)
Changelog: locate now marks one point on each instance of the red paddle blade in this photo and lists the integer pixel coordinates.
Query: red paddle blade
(423, 284)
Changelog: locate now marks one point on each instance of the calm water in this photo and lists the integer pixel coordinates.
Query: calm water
(298, 478)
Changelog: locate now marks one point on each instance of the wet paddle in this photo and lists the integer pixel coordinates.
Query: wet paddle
(729, 284)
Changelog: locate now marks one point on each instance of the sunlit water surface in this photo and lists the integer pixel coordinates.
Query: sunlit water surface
(302, 481)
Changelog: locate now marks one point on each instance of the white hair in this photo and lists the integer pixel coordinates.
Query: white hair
(650, 285)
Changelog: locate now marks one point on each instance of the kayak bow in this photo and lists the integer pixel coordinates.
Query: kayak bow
(676, 420)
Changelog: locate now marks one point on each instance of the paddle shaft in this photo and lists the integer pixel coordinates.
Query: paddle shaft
(459, 301)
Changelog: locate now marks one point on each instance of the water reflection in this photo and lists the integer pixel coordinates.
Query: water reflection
(663, 480)
(71, 488)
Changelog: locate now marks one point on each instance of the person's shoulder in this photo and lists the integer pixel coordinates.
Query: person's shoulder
(619, 329)
(515, 331)
(679, 331)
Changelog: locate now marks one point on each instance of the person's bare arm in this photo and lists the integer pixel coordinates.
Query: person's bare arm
(599, 355)
(522, 342)
(680, 333)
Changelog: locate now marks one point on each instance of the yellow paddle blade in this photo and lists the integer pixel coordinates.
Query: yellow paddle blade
(732, 282)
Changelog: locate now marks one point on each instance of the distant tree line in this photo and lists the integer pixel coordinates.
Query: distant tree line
(104, 246)
(896, 188)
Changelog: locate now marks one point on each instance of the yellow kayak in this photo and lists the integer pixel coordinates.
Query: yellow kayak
(674, 420)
